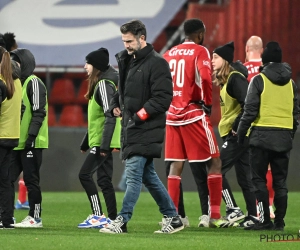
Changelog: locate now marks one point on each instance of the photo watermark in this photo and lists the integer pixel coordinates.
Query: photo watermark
(279, 237)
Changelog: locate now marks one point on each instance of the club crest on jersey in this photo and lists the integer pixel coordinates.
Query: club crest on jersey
(206, 63)
(182, 52)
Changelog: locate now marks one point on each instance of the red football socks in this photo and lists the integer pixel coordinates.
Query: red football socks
(174, 188)
(22, 191)
(270, 187)
(214, 182)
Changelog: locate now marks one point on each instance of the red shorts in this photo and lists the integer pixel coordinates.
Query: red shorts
(195, 141)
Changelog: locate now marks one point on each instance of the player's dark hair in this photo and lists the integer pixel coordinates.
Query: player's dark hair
(10, 41)
(193, 25)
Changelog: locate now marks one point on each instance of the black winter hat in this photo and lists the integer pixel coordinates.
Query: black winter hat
(272, 53)
(226, 51)
(99, 59)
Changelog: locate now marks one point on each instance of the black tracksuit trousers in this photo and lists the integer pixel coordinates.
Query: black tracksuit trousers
(29, 161)
(5, 187)
(104, 167)
(233, 154)
(279, 161)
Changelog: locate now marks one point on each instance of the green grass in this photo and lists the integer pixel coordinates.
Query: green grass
(63, 211)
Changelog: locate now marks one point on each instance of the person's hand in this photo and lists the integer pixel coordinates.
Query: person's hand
(140, 117)
(206, 108)
(234, 133)
(82, 151)
(104, 152)
(117, 112)
(30, 142)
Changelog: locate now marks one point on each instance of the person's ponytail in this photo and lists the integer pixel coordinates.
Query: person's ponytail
(6, 72)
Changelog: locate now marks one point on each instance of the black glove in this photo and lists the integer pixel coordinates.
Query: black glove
(206, 108)
(84, 146)
(30, 142)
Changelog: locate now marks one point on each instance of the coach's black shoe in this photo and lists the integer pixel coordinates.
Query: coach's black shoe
(279, 225)
(170, 225)
(261, 226)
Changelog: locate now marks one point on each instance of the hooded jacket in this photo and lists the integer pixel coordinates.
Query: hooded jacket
(271, 138)
(36, 92)
(145, 82)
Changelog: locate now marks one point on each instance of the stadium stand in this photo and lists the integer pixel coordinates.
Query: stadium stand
(51, 116)
(72, 116)
(63, 92)
(81, 92)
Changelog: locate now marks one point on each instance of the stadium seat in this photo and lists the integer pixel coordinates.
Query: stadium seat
(82, 91)
(72, 116)
(63, 92)
(51, 116)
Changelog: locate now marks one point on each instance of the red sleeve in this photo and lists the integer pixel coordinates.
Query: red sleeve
(204, 69)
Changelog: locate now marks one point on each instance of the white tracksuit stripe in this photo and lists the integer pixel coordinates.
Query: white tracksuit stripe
(36, 96)
(102, 89)
(95, 204)
(36, 212)
(227, 197)
(261, 212)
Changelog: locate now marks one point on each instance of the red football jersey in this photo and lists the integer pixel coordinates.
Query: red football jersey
(253, 68)
(190, 67)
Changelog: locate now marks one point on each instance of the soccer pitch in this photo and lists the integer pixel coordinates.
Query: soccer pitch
(62, 211)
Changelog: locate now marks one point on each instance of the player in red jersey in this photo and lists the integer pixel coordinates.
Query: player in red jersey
(189, 133)
(254, 49)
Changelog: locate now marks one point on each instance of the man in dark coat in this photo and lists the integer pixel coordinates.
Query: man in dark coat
(144, 96)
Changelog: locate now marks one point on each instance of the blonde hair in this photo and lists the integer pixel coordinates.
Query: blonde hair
(220, 76)
(92, 79)
(6, 72)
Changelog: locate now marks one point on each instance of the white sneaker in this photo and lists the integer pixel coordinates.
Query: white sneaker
(185, 221)
(204, 221)
(272, 215)
(30, 222)
(234, 214)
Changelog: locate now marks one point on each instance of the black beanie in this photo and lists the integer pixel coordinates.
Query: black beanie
(272, 53)
(99, 59)
(226, 51)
